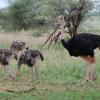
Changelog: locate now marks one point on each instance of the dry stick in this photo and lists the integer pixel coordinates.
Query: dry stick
(50, 42)
(50, 39)
(51, 35)
(54, 39)
(11, 90)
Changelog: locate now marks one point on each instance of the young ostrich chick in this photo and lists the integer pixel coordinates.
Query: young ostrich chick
(6, 56)
(82, 45)
(30, 57)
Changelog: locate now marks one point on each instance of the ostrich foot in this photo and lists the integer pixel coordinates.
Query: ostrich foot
(91, 78)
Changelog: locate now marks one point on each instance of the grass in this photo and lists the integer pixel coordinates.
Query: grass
(61, 77)
(51, 95)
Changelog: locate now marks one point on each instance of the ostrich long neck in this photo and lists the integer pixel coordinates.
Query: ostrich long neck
(62, 31)
(62, 21)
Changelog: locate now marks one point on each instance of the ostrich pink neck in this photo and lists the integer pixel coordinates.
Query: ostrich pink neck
(62, 31)
(62, 24)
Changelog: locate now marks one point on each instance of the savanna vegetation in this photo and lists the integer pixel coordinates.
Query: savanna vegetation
(61, 77)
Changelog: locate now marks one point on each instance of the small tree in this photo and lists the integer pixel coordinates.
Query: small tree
(3, 19)
(22, 13)
(18, 14)
(76, 14)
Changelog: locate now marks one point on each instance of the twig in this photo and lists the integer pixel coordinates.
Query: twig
(50, 37)
(56, 38)
(11, 90)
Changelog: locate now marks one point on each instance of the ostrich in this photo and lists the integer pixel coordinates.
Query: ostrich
(18, 46)
(30, 57)
(6, 56)
(81, 45)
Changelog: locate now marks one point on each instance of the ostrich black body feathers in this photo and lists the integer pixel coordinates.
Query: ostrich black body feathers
(82, 44)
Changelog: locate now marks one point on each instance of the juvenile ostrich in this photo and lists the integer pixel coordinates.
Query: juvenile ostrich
(5, 57)
(81, 45)
(29, 57)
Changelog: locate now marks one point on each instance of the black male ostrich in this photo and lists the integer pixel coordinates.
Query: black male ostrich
(82, 45)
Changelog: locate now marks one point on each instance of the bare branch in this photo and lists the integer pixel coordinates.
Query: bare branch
(50, 37)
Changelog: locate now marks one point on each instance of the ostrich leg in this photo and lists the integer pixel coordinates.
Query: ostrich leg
(34, 72)
(18, 69)
(8, 72)
(90, 70)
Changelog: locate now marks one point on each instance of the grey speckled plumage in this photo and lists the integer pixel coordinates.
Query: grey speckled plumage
(5, 56)
(29, 57)
(18, 45)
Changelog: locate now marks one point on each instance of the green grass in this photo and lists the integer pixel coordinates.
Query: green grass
(61, 77)
(51, 95)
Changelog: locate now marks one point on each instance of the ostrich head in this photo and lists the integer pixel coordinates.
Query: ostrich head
(61, 22)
